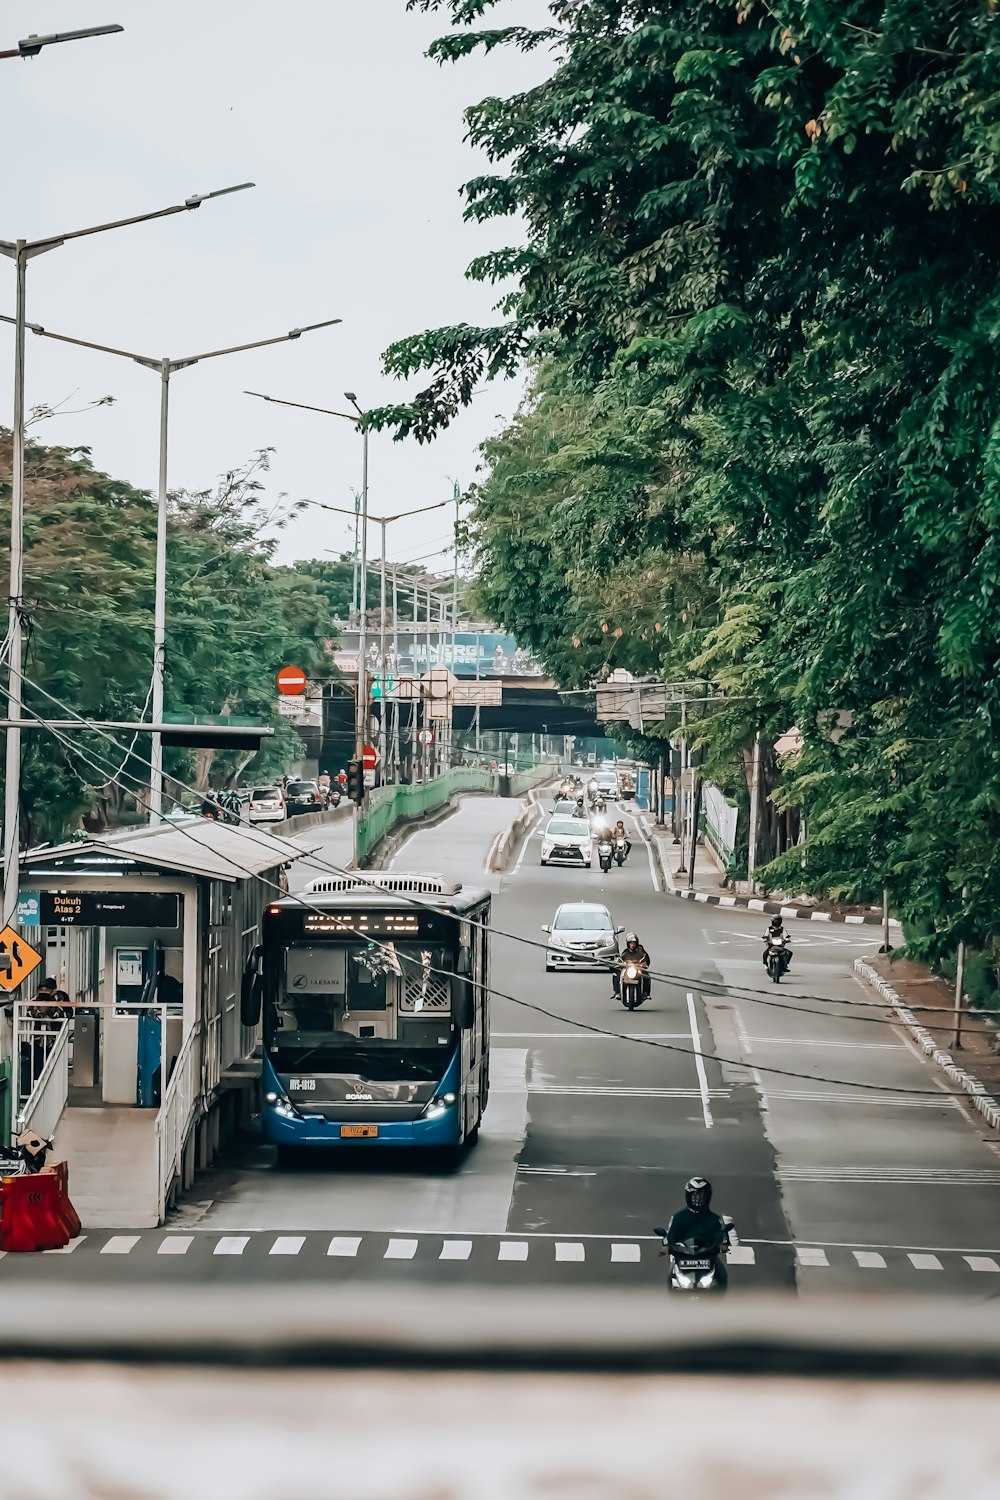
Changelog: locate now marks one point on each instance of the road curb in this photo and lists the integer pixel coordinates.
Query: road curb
(776, 908)
(967, 1082)
(505, 843)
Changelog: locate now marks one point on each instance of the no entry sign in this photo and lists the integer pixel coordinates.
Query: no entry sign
(291, 681)
(369, 758)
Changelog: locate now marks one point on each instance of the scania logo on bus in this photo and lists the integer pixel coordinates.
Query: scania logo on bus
(357, 1096)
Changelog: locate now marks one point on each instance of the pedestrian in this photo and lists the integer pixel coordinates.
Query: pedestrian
(342, 779)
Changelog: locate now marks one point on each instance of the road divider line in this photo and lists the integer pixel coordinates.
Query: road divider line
(699, 1063)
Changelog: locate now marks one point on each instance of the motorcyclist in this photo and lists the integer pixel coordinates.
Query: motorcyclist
(633, 952)
(697, 1222)
(777, 930)
(619, 833)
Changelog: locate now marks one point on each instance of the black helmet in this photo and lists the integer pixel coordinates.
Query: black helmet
(698, 1194)
(776, 923)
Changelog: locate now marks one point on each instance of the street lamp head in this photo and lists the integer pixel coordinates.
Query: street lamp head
(296, 333)
(197, 199)
(351, 397)
(32, 45)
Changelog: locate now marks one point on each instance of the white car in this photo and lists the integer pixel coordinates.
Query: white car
(607, 782)
(582, 936)
(567, 841)
(266, 805)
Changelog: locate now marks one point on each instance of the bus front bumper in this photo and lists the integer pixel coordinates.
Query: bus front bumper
(438, 1129)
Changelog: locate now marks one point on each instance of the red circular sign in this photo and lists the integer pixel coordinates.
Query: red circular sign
(291, 681)
(369, 758)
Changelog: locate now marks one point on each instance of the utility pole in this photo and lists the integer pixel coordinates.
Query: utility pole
(754, 829)
(354, 575)
(681, 834)
(956, 1041)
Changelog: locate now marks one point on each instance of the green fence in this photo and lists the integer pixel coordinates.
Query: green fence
(389, 805)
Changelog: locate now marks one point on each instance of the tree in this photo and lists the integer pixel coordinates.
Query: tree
(232, 620)
(760, 285)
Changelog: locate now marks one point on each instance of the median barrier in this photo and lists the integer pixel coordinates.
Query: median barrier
(30, 1214)
(68, 1215)
(505, 845)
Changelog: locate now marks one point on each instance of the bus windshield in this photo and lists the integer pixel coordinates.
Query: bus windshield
(344, 1004)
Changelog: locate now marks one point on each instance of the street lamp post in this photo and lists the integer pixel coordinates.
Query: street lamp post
(165, 368)
(21, 251)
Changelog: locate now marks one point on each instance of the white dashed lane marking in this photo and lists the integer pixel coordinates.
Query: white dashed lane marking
(120, 1244)
(345, 1245)
(232, 1244)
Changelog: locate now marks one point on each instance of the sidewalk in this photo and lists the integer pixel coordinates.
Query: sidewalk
(930, 1000)
(708, 888)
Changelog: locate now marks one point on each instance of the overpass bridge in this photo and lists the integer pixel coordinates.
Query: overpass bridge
(497, 685)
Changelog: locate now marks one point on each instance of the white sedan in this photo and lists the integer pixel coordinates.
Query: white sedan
(582, 936)
(567, 841)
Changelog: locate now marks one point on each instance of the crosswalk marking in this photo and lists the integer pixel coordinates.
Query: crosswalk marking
(626, 1252)
(65, 1249)
(513, 1250)
(870, 1259)
(232, 1244)
(344, 1244)
(456, 1250)
(742, 1255)
(401, 1250)
(981, 1263)
(120, 1244)
(287, 1244)
(569, 1250)
(925, 1262)
(810, 1257)
(175, 1244)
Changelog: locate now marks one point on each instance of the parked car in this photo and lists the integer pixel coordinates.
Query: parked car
(303, 797)
(567, 841)
(582, 935)
(266, 805)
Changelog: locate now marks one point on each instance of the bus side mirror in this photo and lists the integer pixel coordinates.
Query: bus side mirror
(463, 1003)
(251, 991)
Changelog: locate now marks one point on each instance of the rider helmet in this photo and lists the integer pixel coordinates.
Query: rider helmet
(631, 939)
(698, 1194)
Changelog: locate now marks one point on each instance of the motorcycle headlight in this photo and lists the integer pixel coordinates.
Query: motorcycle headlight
(707, 1278)
(683, 1279)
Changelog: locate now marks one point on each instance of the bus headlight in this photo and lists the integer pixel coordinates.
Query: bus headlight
(282, 1105)
(438, 1106)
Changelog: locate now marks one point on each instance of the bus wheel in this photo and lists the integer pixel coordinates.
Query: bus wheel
(289, 1157)
(472, 1139)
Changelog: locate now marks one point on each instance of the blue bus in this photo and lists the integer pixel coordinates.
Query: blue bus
(374, 1000)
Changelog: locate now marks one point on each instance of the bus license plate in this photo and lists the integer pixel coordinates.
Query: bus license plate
(355, 1132)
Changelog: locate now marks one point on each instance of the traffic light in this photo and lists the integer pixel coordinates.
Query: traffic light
(356, 781)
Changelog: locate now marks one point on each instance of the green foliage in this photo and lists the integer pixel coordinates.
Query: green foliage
(232, 620)
(760, 287)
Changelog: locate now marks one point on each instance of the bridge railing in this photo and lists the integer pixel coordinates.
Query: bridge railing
(391, 804)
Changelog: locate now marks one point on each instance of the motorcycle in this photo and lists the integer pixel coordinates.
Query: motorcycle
(777, 958)
(26, 1156)
(604, 855)
(621, 851)
(695, 1267)
(631, 986)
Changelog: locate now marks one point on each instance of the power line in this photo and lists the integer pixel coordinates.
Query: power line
(529, 1005)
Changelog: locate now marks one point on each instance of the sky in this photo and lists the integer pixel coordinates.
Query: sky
(354, 140)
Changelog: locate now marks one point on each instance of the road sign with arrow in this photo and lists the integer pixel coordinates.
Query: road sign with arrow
(18, 959)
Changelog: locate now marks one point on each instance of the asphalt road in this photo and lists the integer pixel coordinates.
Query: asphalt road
(830, 1139)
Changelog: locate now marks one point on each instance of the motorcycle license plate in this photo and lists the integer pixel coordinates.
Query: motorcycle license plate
(695, 1265)
(358, 1132)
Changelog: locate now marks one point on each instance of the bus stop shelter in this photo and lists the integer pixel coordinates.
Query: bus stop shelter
(148, 931)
